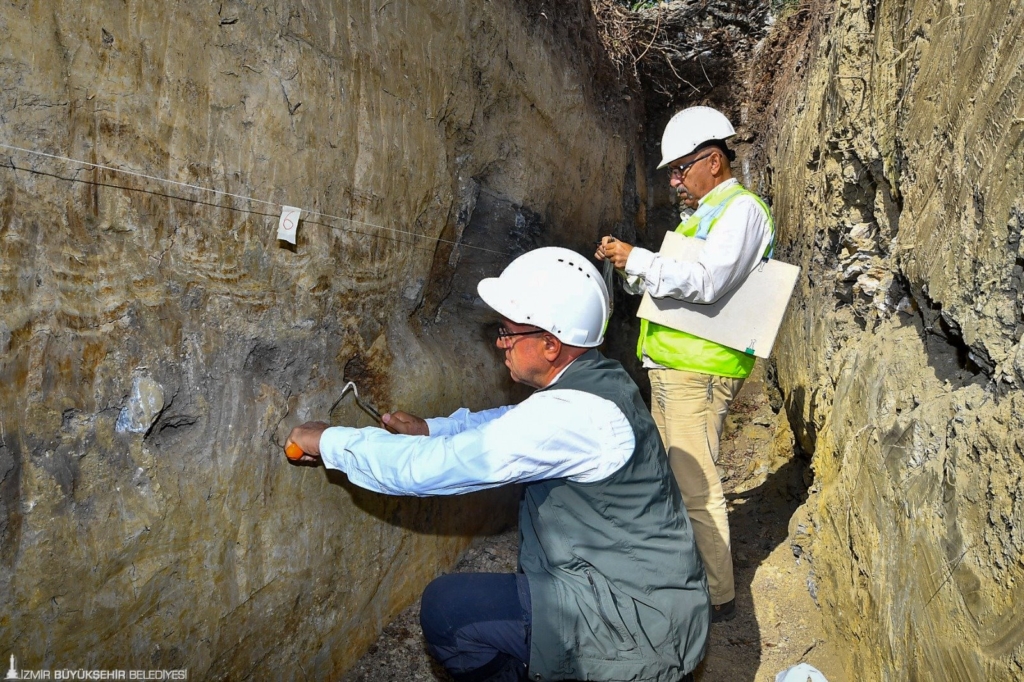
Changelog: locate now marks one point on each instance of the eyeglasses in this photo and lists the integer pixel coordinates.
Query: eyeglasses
(680, 171)
(504, 334)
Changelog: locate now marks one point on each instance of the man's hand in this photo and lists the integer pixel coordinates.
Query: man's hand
(405, 423)
(614, 250)
(307, 437)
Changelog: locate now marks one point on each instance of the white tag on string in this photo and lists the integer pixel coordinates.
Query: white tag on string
(289, 223)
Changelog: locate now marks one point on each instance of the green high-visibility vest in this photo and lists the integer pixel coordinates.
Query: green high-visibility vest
(678, 350)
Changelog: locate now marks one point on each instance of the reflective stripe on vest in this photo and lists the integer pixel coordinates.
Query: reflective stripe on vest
(678, 350)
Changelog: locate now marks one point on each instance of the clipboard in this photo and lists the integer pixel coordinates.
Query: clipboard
(746, 318)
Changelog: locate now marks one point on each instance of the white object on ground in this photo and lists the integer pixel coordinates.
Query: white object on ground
(289, 223)
(802, 672)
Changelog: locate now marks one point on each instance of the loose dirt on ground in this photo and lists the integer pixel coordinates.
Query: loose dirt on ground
(777, 624)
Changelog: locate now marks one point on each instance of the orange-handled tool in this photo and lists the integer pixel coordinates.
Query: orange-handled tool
(294, 452)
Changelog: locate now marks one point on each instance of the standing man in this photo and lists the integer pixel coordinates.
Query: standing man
(693, 380)
(610, 586)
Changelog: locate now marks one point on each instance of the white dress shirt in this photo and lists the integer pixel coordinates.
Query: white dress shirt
(557, 433)
(732, 250)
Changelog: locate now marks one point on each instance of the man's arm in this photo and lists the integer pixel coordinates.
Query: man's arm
(306, 437)
(731, 251)
(462, 419)
(554, 434)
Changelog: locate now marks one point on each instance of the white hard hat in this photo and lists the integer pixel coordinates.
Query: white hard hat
(691, 128)
(803, 672)
(555, 289)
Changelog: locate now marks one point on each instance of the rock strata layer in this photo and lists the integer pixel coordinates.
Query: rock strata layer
(895, 166)
(157, 342)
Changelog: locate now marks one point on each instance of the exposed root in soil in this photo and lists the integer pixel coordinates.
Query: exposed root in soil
(683, 51)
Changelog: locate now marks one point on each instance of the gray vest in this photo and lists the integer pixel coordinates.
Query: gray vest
(617, 586)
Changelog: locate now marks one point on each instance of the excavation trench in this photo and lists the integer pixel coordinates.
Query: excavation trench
(158, 341)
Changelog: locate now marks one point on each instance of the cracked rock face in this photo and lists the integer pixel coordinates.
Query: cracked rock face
(897, 180)
(145, 402)
(157, 342)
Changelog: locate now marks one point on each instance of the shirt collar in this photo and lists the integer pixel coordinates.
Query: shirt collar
(559, 375)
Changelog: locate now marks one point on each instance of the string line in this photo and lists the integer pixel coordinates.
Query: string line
(239, 196)
(97, 183)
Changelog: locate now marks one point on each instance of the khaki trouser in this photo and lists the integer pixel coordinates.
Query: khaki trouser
(689, 409)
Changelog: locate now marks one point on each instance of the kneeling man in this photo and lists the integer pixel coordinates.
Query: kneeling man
(610, 585)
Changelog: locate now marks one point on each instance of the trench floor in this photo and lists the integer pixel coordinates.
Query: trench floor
(778, 623)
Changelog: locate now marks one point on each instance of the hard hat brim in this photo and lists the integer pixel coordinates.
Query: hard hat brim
(666, 162)
(495, 294)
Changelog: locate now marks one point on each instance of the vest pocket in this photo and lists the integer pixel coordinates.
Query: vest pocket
(620, 635)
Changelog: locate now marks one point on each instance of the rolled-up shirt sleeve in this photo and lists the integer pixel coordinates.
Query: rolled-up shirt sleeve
(732, 250)
(558, 433)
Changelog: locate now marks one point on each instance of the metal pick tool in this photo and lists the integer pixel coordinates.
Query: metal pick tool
(367, 407)
(294, 452)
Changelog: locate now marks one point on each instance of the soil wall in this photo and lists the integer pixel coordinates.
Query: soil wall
(157, 342)
(893, 157)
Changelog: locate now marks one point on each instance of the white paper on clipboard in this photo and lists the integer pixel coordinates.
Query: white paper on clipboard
(747, 318)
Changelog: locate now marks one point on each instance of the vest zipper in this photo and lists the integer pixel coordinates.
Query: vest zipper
(600, 606)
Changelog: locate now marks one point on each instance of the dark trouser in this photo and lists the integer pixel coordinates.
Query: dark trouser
(477, 625)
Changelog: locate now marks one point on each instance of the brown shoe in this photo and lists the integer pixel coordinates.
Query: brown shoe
(723, 612)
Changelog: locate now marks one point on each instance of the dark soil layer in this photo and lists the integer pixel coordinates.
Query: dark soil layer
(399, 653)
